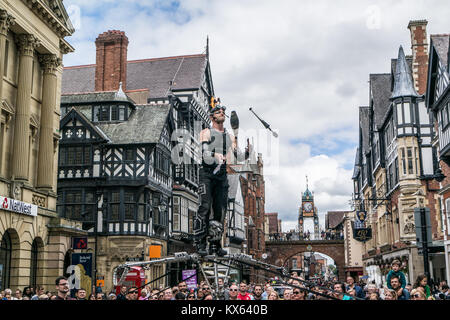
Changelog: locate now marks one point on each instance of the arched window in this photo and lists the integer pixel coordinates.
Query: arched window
(34, 263)
(5, 261)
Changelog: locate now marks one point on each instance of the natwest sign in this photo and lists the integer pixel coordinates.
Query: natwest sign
(18, 206)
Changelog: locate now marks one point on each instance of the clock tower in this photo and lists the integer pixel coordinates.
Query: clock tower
(308, 210)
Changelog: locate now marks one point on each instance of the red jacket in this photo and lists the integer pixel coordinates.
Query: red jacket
(244, 297)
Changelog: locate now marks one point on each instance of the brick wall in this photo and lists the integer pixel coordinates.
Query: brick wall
(419, 48)
(111, 60)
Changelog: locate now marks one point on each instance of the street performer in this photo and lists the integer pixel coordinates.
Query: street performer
(213, 190)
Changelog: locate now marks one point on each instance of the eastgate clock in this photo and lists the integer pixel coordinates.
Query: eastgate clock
(307, 206)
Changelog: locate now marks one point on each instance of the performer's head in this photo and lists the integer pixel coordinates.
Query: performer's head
(217, 114)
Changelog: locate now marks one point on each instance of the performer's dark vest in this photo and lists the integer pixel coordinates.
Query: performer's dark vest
(219, 142)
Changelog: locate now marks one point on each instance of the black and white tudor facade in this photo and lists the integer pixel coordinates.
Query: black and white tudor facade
(114, 161)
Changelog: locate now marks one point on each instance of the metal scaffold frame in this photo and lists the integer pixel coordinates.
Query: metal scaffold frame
(233, 261)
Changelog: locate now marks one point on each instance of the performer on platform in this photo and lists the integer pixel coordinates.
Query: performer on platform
(213, 190)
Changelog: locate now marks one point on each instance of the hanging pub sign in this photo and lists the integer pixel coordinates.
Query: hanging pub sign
(361, 216)
(362, 234)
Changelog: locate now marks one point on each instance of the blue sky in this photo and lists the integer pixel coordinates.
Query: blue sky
(303, 65)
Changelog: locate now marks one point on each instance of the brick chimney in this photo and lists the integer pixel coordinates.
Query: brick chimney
(111, 60)
(419, 47)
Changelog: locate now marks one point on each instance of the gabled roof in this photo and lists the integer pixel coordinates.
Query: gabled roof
(73, 112)
(403, 82)
(441, 43)
(364, 124)
(143, 126)
(159, 75)
(234, 183)
(380, 88)
(334, 218)
(356, 168)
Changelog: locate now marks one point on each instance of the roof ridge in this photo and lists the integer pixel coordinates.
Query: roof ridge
(440, 35)
(167, 58)
(87, 92)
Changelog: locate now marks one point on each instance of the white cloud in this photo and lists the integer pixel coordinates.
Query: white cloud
(302, 65)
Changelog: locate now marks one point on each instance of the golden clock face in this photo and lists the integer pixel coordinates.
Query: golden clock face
(307, 206)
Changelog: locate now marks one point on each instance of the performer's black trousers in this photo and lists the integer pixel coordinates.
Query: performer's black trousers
(213, 192)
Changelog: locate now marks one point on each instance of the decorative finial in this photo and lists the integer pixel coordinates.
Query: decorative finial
(120, 94)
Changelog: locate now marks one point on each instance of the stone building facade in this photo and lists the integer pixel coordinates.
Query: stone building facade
(33, 238)
(395, 166)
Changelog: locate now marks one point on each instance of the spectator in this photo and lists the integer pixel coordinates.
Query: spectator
(422, 282)
(62, 287)
(273, 296)
(395, 270)
(133, 293)
(402, 294)
(390, 294)
(208, 296)
(80, 294)
(190, 296)
(243, 293)
(143, 294)
(27, 292)
(287, 294)
(92, 296)
(257, 292)
(182, 287)
(18, 295)
(417, 294)
(39, 292)
(168, 294)
(351, 285)
(180, 296)
(298, 294)
(233, 292)
(100, 296)
(123, 293)
(112, 296)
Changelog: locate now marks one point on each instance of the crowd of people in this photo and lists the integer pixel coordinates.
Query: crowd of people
(295, 288)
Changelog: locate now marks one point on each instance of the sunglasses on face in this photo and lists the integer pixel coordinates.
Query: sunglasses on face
(233, 289)
(296, 292)
(416, 296)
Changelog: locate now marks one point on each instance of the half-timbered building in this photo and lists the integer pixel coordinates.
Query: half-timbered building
(438, 103)
(134, 159)
(115, 174)
(396, 164)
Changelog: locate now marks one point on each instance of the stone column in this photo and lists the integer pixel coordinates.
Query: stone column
(5, 22)
(50, 63)
(26, 44)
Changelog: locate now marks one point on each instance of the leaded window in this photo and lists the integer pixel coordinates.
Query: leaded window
(115, 206)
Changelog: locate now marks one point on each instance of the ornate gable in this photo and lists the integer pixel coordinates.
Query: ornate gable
(75, 126)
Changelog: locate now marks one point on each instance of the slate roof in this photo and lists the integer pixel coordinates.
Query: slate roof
(364, 125)
(403, 82)
(334, 218)
(356, 168)
(380, 87)
(441, 43)
(185, 72)
(233, 182)
(93, 97)
(143, 126)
